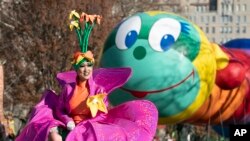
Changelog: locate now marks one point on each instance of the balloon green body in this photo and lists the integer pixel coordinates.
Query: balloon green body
(167, 54)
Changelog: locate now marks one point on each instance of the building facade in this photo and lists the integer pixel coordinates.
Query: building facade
(221, 20)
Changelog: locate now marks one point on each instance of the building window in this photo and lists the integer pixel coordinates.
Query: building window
(230, 7)
(231, 18)
(244, 7)
(226, 7)
(225, 19)
(202, 19)
(213, 5)
(245, 19)
(214, 19)
(237, 8)
(198, 8)
(244, 29)
(230, 29)
(222, 7)
(238, 30)
(224, 29)
(238, 19)
(204, 8)
(213, 29)
(207, 29)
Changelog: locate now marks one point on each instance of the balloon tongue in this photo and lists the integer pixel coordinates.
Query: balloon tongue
(138, 94)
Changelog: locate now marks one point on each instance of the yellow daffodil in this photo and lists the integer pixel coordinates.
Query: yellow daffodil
(74, 13)
(73, 24)
(96, 103)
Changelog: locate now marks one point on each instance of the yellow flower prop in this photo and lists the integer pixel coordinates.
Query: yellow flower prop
(73, 24)
(83, 25)
(96, 103)
(74, 13)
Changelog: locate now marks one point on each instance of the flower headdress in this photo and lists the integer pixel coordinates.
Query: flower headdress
(83, 25)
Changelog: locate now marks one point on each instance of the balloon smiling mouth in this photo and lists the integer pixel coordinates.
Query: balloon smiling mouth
(141, 94)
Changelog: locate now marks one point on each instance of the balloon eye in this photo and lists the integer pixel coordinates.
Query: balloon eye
(166, 41)
(164, 33)
(127, 33)
(131, 38)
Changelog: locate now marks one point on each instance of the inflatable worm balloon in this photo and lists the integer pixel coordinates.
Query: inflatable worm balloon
(176, 67)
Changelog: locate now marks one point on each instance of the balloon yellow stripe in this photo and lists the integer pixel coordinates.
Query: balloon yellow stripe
(222, 59)
(206, 72)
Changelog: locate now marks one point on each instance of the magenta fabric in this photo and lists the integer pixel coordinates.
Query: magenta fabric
(130, 121)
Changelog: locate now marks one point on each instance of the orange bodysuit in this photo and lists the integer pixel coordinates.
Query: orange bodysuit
(77, 103)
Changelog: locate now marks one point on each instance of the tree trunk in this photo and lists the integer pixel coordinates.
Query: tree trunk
(2, 118)
(1, 92)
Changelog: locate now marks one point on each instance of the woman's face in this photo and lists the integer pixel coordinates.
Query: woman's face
(85, 71)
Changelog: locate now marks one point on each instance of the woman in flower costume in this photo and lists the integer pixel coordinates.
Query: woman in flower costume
(80, 111)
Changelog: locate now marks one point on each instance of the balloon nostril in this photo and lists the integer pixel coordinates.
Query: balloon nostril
(139, 53)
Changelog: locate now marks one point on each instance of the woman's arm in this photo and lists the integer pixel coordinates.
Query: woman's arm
(61, 110)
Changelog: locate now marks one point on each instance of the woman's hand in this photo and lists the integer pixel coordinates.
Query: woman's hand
(53, 135)
(70, 125)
